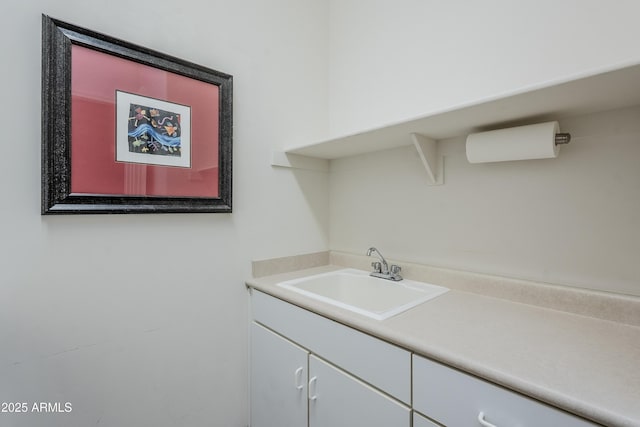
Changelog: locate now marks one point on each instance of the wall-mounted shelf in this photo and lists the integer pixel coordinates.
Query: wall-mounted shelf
(605, 90)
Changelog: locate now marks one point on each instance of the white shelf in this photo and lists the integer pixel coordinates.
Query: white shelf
(600, 91)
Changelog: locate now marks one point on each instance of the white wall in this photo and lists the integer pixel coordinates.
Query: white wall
(393, 60)
(140, 320)
(573, 220)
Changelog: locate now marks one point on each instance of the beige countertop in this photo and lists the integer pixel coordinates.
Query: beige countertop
(584, 365)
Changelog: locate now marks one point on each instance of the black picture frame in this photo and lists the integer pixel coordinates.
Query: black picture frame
(57, 198)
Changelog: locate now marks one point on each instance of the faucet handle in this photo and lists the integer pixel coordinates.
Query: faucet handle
(377, 266)
(395, 269)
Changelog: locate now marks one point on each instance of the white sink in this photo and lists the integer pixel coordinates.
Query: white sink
(355, 290)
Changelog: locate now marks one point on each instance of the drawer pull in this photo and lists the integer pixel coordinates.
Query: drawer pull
(312, 389)
(483, 422)
(297, 378)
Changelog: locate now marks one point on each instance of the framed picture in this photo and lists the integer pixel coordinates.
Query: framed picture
(126, 129)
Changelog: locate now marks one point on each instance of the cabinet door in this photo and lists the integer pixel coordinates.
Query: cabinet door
(336, 399)
(420, 421)
(278, 380)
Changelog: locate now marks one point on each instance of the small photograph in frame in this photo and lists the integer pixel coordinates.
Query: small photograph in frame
(151, 131)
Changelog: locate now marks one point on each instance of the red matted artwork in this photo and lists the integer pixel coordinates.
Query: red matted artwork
(148, 132)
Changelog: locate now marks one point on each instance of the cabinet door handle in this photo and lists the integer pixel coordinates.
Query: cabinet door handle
(483, 422)
(312, 389)
(297, 377)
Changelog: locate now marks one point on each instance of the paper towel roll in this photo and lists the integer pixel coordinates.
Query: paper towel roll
(518, 143)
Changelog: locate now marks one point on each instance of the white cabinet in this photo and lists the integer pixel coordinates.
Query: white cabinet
(383, 365)
(278, 380)
(337, 399)
(457, 399)
(349, 377)
(307, 370)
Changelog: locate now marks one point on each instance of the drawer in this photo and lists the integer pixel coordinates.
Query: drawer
(456, 399)
(383, 365)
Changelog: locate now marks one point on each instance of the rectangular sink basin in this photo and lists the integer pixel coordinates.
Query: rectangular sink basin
(355, 290)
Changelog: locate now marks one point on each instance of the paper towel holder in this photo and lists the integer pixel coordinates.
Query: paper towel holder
(534, 141)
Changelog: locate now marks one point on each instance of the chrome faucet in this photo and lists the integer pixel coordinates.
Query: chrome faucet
(381, 269)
